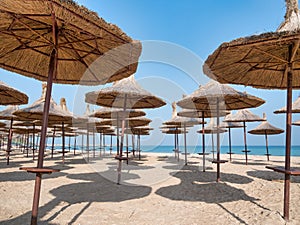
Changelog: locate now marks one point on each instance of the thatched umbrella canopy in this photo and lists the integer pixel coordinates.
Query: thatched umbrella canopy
(115, 113)
(216, 96)
(297, 123)
(269, 60)
(212, 129)
(36, 110)
(265, 128)
(7, 114)
(125, 94)
(2, 124)
(70, 38)
(244, 115)
(195, 113)
(182, 122)
(11, 96)
(124, 91)
(295, 107)
(230, 125)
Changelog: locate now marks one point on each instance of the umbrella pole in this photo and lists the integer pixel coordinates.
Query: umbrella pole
(229, 136)
(82, 141)
(87, 143)
(9, 141)
(33, 142)
(139, 144)
(103, 135)
(94, 144)
(69, 143)
(267, 145)
(110, 149)
(218, 141)
(118, 144)
(245, 142)
(127, 145)
(213, 144)
(121, 144)
(63, 143)
(100, 144)
(203, 142)
(132, 144)
(51, 74)
(185, 150)
(287, 178)
(27, 144)
(53, 139)
(74, 147)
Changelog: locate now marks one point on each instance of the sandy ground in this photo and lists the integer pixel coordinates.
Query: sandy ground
(158, 189)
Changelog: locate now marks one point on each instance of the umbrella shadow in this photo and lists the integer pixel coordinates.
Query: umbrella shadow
(194, 186)
(271, 176)
(90, 188)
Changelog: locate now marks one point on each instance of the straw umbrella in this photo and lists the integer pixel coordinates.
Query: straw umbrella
(181, 121)
(202, 114)
(295, 107)
(176, 130)
(7, 114)
(212, 129)
(126, 94)
(265, 128)
(230, 125)
(297, 123)
(269, 60)
(116, 113)
(11, 96)
(218, 97)
(245, 115)
(70, 38)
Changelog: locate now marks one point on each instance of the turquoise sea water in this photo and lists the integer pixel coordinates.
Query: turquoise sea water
(254, 150)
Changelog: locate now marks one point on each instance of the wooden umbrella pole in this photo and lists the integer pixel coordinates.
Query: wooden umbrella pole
(245, 142)
(10, 133)
(118, 143)
(185, 150)
(63, 142)
(69, 143)
(218, 141)
(27, 144)
(267, 145)
(51, 74)
(213, 144)
(121, 144)
(100, 144)
(53, 140)
(287, 178)
(33, 142)
(230, 150)
(103, 136)
(139, 144)
(94, 144)
(87, 143)
(203, 142)
(110, 149)
(74, 147)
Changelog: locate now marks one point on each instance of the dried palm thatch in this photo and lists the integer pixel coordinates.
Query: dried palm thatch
(173, 131)
(297, 123)
(295, 107)
(244, 115)
(7, 113)
(206, 97)
(226, 124)
(180, 121)
(126, 93)
(201, 113)
(2, 124)
(11, 96)
(211, 128)
(36, 111)
(114, 113)
(266, 128)
(83, 39)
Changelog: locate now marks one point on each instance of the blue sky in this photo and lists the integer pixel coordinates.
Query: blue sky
(195, 28)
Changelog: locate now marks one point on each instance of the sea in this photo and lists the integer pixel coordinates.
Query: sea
(254, 150)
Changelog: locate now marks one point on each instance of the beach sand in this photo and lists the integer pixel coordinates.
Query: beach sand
(155, 190)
